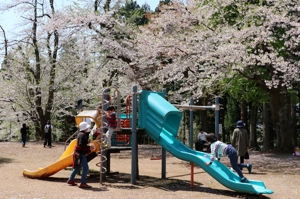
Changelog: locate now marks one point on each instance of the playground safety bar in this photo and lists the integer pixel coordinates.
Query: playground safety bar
(193, 107)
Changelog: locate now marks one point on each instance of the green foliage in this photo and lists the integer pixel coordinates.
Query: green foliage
(226, 15)
(232, 114)
(246, 90)
(165, 1)
(240, 90)
(132, 13)
(256, 2)
(235, 13)
(279, 30)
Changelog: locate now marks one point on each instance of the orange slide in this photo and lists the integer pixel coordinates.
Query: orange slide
(65, 160)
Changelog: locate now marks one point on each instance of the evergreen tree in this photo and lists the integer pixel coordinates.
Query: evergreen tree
(232, 115)
(132, 13)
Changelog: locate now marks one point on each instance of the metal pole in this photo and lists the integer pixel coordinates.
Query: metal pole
(217, 117)
(133, 131)
(163, 152)
(192, 107)
(191, 140)
(191, 123)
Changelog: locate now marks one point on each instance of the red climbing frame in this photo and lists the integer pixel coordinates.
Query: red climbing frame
(125, 123)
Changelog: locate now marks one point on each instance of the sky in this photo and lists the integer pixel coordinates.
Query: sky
(153, 3)
(9, 20)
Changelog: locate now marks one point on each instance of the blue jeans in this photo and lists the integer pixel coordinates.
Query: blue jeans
(85, 169)
(232, 155)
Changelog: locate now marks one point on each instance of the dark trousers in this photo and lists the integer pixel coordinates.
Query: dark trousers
(232, 155)
(47, 139)
(23, 139)
(199, 145)
(242, 158)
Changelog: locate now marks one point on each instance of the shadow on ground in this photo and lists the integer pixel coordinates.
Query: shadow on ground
(6, 160)
(123, 181)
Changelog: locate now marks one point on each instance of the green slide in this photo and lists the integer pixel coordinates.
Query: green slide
(161, 121)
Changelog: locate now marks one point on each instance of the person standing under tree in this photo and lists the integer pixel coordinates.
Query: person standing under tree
(201, 140)
(48, 136)
(23, 134)
(79, 157)
(240, 140)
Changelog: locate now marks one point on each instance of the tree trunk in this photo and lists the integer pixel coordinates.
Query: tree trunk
(107, 5)
(5, 47)
(295, 116)
(244, 114)
(203, 120)
(280, 103)
(52, 56)
(232, 115)
(267, 144)
(202, 115)
(38, 93)
(252, 125)
(96, 3)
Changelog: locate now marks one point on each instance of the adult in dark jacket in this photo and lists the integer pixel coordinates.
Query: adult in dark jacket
(80, 152)
(240, 140)
(23, 132)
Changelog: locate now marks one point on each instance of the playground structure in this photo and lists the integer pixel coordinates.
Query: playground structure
(119, 139)
(161, 120)
(192, 108)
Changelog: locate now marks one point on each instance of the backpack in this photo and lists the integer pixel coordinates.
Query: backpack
(48, 128)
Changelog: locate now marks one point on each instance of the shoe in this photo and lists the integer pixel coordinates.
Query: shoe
(23, 145)
(244, 180)
(71, 182)
(44, 146)
(249, 167)
(50, 146)
(84, 186)
(232, 169)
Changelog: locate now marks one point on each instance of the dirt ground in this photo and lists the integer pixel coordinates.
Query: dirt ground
(279, 172)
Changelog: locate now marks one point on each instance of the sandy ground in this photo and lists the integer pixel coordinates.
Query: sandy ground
(280, 173)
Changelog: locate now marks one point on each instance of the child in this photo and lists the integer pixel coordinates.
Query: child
(221, 149)
(112, 123)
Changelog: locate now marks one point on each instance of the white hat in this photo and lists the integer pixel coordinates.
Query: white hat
(83, 126)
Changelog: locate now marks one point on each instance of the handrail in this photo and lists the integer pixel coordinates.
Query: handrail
(70, 138)
(107, 100)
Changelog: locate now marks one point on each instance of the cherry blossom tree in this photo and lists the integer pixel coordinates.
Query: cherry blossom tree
(263, 47)
(47, 70)
(197, 45)
(192, 47)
